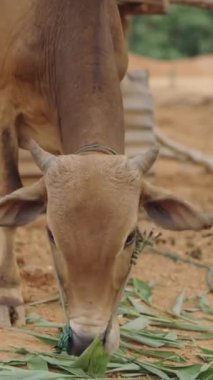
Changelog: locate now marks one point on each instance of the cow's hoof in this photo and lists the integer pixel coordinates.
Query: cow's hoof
(12, 311)
(4, 316)
(12, 316)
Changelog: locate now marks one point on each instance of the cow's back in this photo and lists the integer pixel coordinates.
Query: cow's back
(38, 72)
(19, 63)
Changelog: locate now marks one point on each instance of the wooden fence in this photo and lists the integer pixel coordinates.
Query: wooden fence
(138, 112)
(158, 6)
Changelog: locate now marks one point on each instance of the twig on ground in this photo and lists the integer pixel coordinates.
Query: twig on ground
(185, 152)
(46, 300)
(176, 257)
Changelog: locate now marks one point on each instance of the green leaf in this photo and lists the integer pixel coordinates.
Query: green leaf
(37, 363)
(126, 368)
(204, 336)
(10, 373)
(165, 355)
(151, 338)
(36, 319)
(191, 372)
(204, 305)
(49, 339)
(207, 351)
(142, 289)
(15, 362)
(177, 308)
(142, 309)
(94, 359)
(174, 324)
(136, 324)
(207, 354)
(206, 375)
(127, 311)
(155, 371)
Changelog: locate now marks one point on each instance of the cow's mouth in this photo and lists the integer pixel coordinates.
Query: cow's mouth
(78, 343)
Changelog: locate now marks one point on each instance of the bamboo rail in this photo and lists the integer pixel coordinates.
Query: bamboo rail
(206, 4)
(135, 7)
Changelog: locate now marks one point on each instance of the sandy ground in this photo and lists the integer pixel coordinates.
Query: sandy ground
(200, 66)
(190, 123)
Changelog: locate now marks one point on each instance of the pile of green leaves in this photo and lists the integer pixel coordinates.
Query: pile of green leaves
(149, 345)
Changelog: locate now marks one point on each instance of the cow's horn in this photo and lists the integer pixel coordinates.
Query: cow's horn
(42, 158)
(143, 162)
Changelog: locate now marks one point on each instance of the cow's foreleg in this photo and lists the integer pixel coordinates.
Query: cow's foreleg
(11, 301)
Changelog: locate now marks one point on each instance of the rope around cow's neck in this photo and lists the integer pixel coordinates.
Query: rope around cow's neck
(95, 147)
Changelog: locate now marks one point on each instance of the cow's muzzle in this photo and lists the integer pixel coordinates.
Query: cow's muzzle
(79, 341)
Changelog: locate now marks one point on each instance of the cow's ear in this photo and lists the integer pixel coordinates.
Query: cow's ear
(171, 212)
(23, 205)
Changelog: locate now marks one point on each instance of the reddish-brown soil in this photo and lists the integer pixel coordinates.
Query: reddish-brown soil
(198, 66)
(188, 123)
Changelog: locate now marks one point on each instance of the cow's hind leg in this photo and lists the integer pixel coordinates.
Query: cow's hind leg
(11, 301)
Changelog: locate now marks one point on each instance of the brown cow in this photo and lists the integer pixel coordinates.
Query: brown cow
(61, 63)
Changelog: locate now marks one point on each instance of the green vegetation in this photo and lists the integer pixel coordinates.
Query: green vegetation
(154, 344)
(183, 32)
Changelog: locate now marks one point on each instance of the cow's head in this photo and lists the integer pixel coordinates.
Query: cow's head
(92, 204)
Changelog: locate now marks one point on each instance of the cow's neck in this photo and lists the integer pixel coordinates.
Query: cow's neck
(88, 72)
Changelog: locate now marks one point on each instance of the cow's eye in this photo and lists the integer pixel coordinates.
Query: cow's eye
(130, 239)
(50, 235)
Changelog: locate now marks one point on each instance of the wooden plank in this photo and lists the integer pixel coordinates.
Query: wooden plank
(142, 8)
(148, 2)
(135, 7)
(158, 6)
(206, 4)
(139, 138)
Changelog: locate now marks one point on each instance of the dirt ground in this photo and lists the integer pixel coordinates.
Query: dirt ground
(190, 123)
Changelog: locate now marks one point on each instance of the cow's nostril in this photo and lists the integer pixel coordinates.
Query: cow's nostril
(78, 343)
